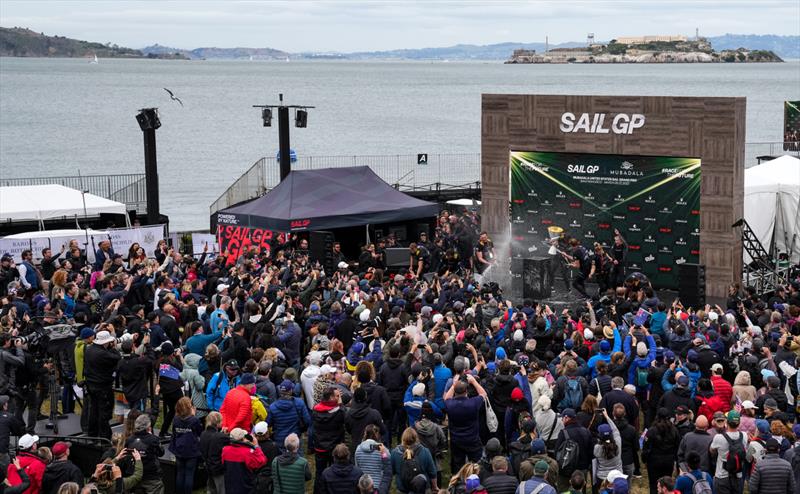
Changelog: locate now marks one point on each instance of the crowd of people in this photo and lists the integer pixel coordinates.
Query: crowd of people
(272, 374)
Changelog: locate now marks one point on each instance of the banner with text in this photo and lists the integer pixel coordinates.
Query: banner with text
(653, 201)
(236, 239)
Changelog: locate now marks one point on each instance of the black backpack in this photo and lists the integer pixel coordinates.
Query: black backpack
(567, 455)
(736, 457)
(410, 468)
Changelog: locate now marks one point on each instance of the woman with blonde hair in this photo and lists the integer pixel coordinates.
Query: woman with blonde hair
(59, 279)
(458, 483)
(586, 414)
(409, 448)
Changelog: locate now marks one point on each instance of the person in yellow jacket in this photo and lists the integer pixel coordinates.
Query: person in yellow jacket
(259, 410)
(85, 339)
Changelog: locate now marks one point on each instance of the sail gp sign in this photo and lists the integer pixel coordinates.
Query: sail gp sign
(598, 123)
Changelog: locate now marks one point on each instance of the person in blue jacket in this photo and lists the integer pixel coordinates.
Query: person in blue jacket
(414, 405)
(640, 366)
(605, 353)
(220, 383)
(288, 414)
(198, 342)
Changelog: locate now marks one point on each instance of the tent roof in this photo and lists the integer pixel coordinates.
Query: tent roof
(327, 198)
(41, 202)
(781, 173)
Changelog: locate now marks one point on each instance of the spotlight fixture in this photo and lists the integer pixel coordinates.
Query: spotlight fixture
(300, 119)
(148, 119)
(266, 116)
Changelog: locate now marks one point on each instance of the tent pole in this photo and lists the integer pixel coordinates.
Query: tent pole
(367, 233)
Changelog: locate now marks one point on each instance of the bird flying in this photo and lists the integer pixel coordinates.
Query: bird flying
(172, 96)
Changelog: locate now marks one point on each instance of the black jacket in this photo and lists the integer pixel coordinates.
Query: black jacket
(500, 483)
(328, 427)
(340, 479)
(133, 371)
(378, 398)
(776, 394)
(9, 426)
(678, 396)
(629, 439)
(99, 364)
(236, 348)
(706, 357)
(211, 443)
(150, 449)
(619, 396)
(59, 472)
(357, 418)
(583, 438)
(394, 377)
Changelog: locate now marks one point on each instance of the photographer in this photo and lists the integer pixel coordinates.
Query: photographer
(101, 359)
(108, 475)
(134, 369)
(11, 357)
(30, 378)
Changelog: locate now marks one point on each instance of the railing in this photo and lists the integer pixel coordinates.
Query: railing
(126, 188)
(400, 171)
(755, 149)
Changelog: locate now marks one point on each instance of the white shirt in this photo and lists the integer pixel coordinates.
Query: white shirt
(307, 379)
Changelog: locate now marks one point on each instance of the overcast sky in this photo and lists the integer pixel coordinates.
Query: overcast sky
(366, 26)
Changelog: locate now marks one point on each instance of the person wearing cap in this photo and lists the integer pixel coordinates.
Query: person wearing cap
(679, 394)
(773, 474)
(697, 441)
(100, 363)
(30, 462)
(270, 449)
(683, 420)
(538, 452)
(537, 483)
(8, 273)
(605, 349)
(221, 383)
(237, 407)
(774, 392)
(722, 388)
(608, 450)
(10, 425)
(134, 370)
(582, 437)
(720, 446)
(60, 470)
(242, 458)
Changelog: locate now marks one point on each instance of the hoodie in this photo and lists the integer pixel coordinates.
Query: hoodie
(328, 419)
(432, 436)
(357, 418)
(641, 365)
(191, 376)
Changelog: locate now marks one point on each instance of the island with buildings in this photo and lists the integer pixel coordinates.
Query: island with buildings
(644, 49)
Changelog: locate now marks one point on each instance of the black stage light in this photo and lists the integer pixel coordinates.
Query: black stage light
(266, 116)
(301, 119)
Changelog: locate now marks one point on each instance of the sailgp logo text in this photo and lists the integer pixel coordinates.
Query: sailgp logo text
(595, 123)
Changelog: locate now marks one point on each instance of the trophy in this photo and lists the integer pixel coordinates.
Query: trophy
(555, 232)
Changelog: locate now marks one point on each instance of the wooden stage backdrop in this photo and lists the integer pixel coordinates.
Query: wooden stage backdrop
(712, 129)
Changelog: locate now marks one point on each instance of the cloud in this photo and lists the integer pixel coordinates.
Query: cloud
(364, 26)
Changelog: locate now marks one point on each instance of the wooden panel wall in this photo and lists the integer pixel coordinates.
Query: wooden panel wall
(712, 129)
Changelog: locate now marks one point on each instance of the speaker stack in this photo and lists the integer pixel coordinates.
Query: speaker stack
(397, 257)
(320, 249)
(692, 285)
(536, 278)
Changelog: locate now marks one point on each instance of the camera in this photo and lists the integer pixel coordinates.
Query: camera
(375, 447)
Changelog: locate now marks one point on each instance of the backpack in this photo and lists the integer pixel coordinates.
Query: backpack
(701, 485)
(567, 455)
(796, 459)
(573, 394)
(735, 459)
(519, 452)
(641, 377)
(410, 468)
(535, 490)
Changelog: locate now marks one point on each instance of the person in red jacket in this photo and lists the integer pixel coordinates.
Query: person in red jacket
(242, 458)
(708, 401)
(722, 388)
(30, 462)
(237, 408)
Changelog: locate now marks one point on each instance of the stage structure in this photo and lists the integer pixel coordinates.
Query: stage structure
(668, 172)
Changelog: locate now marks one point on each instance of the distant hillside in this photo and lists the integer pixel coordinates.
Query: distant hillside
(21, 42)
(220, 53)
(784, 46)
(498, 51)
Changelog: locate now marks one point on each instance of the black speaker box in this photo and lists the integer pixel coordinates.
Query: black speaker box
(692, 285)
(397, 257)
(535, 278)
(320, 249)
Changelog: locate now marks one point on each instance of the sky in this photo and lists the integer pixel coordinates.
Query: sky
(347, 26)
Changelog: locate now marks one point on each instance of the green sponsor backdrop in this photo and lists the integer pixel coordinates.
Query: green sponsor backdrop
(791, 125)
(653, 201)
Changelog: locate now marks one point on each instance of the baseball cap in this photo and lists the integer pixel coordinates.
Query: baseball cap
(620, 486)
(683, 381)
(327, 369)
(86, 333)
(719, 416)
(232, 363)
(682, 409)
(569, 412)
(26, 441)
(604, 431)
(568, 344)
(60, 448)
(796, 430)
(762, 426)
(222, 286)
(614, 475)
(748, 405)
(733, 417)
(716, 367)
(538, 446)
(772, 445)
(260, 428)
(286, 386)
(472, 482)
(540, 468)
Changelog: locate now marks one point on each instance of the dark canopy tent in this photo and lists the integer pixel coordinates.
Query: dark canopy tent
(325, 199)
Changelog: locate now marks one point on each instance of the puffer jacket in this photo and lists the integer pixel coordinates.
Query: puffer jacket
(340, 478)
(218, 387)
(237, 409)
(376, 465)
(431, 435)
(286, 416)
(772, 475)
(290, 472)
(191, 376)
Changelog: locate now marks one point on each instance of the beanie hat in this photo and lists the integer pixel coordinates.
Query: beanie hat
(762, 426)
(588, 334)
(247, 379)
(605, 346)
(500, 354)
(418, 389)
(519, 335)
(517, 395)
(493, 447)
(641, 349)
(568, 344)
(472, 483)
(538, 446)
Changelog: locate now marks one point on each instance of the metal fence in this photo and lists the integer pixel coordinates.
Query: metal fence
(753, 150)
(401, 171)
(129, 188)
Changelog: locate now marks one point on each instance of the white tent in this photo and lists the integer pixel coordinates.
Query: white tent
(772, 204)
(42, 202)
